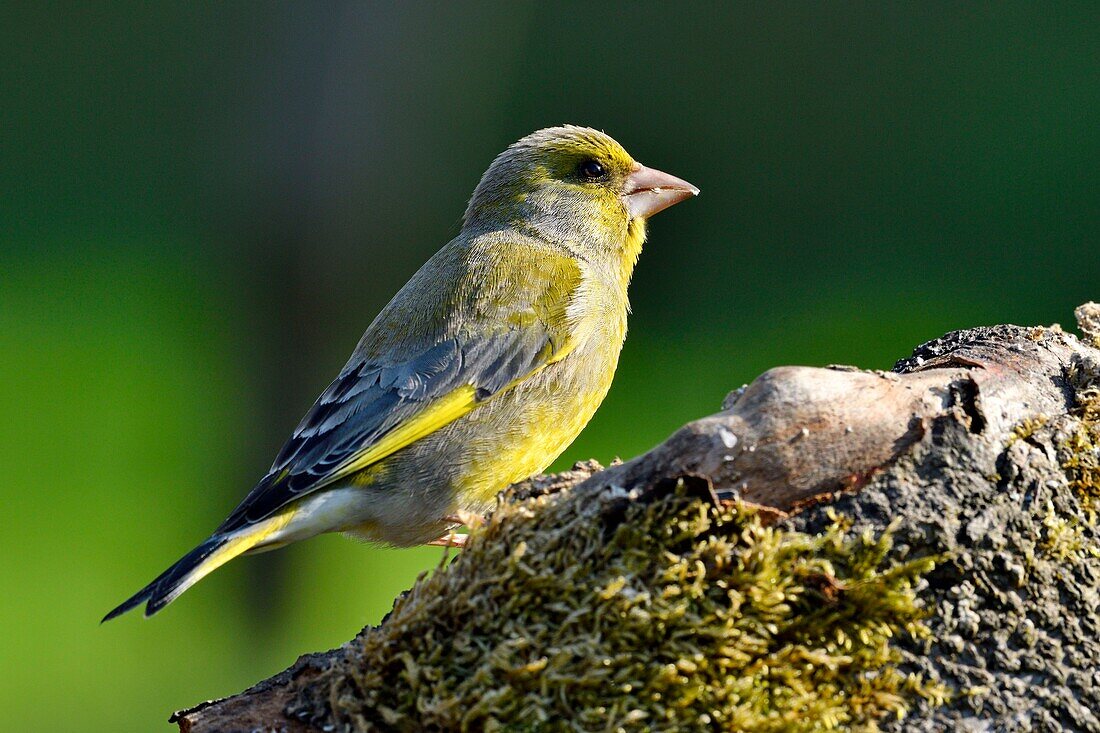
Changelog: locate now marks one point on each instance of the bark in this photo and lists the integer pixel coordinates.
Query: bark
(980, 447)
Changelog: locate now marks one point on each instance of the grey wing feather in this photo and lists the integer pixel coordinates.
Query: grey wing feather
(371, 397)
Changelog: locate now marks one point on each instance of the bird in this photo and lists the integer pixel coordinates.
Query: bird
(480, 371)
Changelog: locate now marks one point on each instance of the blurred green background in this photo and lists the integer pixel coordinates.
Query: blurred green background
(204, 204)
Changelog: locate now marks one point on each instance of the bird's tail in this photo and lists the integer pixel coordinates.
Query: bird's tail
(197, 564)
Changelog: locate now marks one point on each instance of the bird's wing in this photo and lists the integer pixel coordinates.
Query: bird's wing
(381, 403)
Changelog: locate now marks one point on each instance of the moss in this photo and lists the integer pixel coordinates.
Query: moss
(1028, 428)
(572, 611)
(1081, 450)
(1065, 538)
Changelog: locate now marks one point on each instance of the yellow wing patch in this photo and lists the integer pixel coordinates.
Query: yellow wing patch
(441, 412)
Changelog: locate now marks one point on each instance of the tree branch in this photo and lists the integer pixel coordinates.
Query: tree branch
(980, 451)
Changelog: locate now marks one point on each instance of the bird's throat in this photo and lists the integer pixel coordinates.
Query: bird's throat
(632, 248)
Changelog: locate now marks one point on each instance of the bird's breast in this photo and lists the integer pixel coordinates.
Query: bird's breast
(523, 430)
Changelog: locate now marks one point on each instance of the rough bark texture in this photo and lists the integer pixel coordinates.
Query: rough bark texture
(981, 449)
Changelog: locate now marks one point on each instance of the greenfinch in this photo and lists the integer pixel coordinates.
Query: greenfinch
(482, 369)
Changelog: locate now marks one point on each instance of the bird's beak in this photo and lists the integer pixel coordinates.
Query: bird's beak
(648, 191)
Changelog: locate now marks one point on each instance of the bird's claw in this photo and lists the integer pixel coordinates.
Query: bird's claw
(462, 518)
(451, 539)
(466, 519)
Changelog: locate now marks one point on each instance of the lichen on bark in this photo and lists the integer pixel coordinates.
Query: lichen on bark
(1014, 629)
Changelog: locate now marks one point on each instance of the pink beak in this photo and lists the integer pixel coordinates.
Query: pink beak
(648, 191)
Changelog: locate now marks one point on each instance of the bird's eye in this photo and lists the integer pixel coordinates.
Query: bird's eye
(593, 170)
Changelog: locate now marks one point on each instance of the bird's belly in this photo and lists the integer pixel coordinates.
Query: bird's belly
(525, 429)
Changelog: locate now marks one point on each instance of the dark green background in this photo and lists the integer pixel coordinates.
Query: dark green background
(204, 204)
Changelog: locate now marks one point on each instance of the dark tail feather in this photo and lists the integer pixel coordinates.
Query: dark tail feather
(173, 581)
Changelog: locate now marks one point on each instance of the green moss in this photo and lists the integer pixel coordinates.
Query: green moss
(1065, 538)
(1028, 428)
(1081, 450)
(666, 615)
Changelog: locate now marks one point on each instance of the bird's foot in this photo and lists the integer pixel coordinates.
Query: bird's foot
(451, 539)
(465, 518)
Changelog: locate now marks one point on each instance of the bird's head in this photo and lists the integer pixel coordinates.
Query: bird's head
(577, 187)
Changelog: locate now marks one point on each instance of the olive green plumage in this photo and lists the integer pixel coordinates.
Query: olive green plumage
(479, 373)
